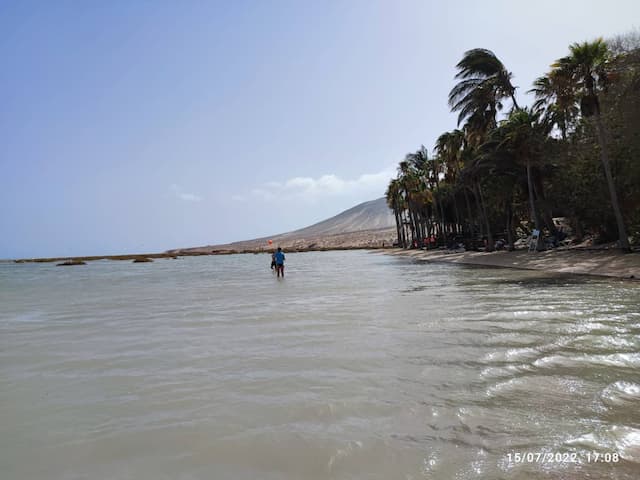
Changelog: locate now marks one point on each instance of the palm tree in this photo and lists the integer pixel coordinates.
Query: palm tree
(472, 174)
(587, 65)
(555, 100)
(394, 201)
(522, 135)
(419, 159)
(496, 158)
(449, 148)
(484, 83)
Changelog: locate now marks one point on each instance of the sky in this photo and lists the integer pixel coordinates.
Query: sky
(142, 126)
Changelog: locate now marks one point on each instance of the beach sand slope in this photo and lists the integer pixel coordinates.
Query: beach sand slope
(609, 263)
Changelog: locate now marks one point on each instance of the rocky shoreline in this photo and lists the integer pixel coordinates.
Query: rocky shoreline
(136, 257)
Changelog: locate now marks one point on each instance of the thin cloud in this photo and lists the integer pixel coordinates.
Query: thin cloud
(263, 194)
(187, 197)
(330, 185)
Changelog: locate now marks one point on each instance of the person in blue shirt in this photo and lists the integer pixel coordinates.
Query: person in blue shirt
(279, 258)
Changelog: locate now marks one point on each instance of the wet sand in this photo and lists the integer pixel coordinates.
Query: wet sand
(609, 263)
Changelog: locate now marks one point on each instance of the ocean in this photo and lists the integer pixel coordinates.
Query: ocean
(356, 365)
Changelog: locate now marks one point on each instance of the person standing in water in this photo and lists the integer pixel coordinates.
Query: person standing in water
(279, 257)
(273, 261)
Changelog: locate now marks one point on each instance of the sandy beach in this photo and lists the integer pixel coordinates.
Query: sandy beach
(608, 263)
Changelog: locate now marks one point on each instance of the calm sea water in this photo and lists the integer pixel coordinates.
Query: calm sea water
(355, 366)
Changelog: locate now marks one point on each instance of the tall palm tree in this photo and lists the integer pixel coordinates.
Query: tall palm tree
(407, 181)
(472, 174)
(522, 135)
(496, 157)
(587, 65)
(394, 201)
(484, 83)
(449, 148)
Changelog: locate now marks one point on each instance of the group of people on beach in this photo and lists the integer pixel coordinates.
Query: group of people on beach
(277, 262)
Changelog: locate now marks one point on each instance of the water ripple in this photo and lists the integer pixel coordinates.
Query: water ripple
(353, 366)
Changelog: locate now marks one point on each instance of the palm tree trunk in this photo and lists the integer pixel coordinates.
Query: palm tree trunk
(414, 224)
(442, 220)
(623, 239)
(436, 215)
(456, 214)
(532, 203)
(470, 222)
(398, 225)
(479, 209)
(405, 230)
(510, 246)
(423, 226)
(515, 104)
(489, 247)
(543, 205)
(425, 222)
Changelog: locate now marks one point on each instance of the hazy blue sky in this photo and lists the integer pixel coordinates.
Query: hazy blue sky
(140, 126)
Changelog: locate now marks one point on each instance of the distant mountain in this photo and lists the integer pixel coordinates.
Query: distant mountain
(370, 215)
(369, 224)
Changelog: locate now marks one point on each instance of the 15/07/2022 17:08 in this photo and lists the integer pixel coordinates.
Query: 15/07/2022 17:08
(563, 457)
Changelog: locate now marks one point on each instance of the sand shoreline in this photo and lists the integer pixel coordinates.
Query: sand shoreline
(607, 263)
(174, 254)
(576, 261)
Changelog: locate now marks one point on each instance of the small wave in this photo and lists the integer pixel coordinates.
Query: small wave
(344, 452)
(36, 316)
(501, 387)
(621, 393)
(623, 440)
(625, 360)
(510, 355)
(605, 342)
(507, 371)
(541, 387)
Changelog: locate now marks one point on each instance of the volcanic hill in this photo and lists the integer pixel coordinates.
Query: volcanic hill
(367, 225)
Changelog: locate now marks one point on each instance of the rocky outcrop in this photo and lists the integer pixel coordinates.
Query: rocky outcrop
(69, 263)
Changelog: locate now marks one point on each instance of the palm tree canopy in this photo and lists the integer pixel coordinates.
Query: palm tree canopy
(544, 91)
(522, 133)
(586, 58)
(392, 194)
(479, 62)
(484, 82)
(555, 100)
(418, 160)
(450, 143)
(586, 66)
(449, 148)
